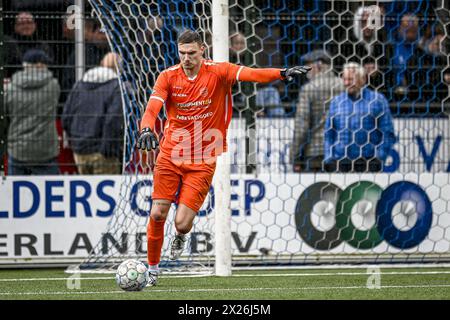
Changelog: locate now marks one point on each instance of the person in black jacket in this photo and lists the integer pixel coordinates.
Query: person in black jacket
(93, 120)
(96, 47)
(25, 36)
(428, 72)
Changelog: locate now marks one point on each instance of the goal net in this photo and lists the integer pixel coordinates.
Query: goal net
(289, 207)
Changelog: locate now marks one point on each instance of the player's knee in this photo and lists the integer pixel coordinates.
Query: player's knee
(159, 212)
(157, 216)
(183, 226)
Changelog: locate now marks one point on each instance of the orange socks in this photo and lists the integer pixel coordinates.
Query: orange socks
(155, 239)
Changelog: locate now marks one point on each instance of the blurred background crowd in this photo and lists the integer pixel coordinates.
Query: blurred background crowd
(55, 122)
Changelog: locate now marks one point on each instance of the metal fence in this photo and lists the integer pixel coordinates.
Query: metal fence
(33, 111)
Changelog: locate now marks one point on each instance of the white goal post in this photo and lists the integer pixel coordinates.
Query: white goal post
(220, 18)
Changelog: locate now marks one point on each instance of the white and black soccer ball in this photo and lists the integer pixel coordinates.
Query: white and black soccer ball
(132, 275)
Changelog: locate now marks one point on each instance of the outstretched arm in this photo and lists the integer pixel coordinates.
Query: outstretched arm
(264, 75)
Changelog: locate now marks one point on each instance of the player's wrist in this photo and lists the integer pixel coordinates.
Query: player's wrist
(146, 130)
(283, 73)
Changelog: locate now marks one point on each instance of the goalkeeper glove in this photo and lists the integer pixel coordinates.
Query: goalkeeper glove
(147, 140)
(288, 73)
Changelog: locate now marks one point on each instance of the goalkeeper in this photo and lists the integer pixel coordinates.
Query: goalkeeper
(197, 97)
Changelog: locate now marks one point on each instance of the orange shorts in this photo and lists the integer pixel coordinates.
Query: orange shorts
(191, 181)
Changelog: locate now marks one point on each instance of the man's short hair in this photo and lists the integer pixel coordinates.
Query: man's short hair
(356, 67)
(189, 36)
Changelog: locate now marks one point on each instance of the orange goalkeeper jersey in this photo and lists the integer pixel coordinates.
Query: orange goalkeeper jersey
(198, 110)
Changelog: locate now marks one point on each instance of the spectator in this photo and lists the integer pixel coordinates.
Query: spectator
(269, 99)
(428, 75)
(238, 54)
(26, 34)
(93, 119)
(96, 46)
(65, 51)
(31, 99)
(435, 45)
(359, 132)
(437, 48)
(238, 46)
(433, 40)
(366, 45)
(157, 41)
(406, 48)
(307, 152)
(68, 26)
(25, 37)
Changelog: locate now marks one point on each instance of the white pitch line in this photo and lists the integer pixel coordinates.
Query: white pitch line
(247, 275)
(345, 274)
(89, 278)
(55, 279)
(226, 290)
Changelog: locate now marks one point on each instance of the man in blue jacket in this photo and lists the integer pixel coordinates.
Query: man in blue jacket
(93, 120)
(359, 132)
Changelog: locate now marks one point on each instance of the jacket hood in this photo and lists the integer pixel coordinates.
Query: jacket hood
(99, 75)
(357, 27)
(32, 78)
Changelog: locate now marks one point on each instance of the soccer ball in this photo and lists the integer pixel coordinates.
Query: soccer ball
(132, 275)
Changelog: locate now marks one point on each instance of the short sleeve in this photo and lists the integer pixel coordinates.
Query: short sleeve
(161, 87)
(230, 72)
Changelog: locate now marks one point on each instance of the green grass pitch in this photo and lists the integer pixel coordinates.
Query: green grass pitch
(395, 283)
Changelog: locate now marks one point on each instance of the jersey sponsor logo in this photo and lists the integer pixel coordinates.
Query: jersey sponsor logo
(183, 95)
(195, 117)
(194, 104)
